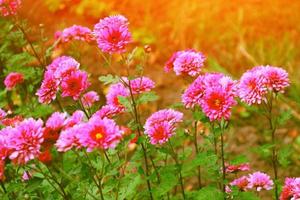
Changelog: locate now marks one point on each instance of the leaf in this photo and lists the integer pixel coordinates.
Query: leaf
(284, 156)
(209, 192)
(147, 97)
(109, 79)
(284, 117)
(246, 196)
(125, 102)
(167, 181)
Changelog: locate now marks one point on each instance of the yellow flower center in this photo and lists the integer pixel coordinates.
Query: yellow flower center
(99, 136)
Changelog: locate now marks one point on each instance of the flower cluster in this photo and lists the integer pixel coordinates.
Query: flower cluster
(255, 84)
(291, 189)
(161, 125)
(13, 79)
(237, 168)
(64, 72)
(214, 93)
(188, 62)
(112, 34)
(9, 7)
(74, 32)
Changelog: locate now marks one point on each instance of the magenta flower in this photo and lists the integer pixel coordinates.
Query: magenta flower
(241, 183)
(116, 90)
(4, 147)
(89, 98)
(9, 7)
(75, 119)
(63, 66)
(277, 78)
(74, 84)
(141, 84)
(193, 95)
(69, 138)
(56, 121)
(188, 62)
(291, 189)
(3, 114)
(13, 79)
(112, 34)
(75, 32)
(108, 111)
(161, 125)
(259, 181)
(48, 89)
(100, 134)
(25, 141)
(237, 168)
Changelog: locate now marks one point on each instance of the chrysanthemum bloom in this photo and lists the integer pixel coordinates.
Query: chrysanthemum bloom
(56, 121)
(114, 91)
(4, 148)
(2, 114)
(13, 79)
(100, 134)
(89, 98)
(161, 125)
(74, 32)
(108, 111)
(192, 96)
(259, 181)
(63, 66)
(74, 84)
(217, 103)
(141, 84)
(48, 89)
(25, 141)
(277, 78)
(291, 189)
(12, 121)
(9, 7)
(241, 183)
(53, 127)
(112, 34)
(188, 63)
(69, 138)
(237, 168)
(76, 118)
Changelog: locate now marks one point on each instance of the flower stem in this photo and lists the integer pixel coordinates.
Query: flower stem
(223, 161)
(197, 151)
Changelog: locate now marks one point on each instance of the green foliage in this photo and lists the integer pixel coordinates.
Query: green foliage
(109, 79)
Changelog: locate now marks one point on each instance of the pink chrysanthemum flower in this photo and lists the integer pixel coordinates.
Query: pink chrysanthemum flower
(63, 66)
(76, 118)
(56, 121)
(114, 91)
(4, 148)
(259, 181)
(69, 138)
(74, 32)
(74, 84)
(252, 87)
(161, 125)
(237, 168)
(188, 63)
(9, 7)
(291, 189)
(277, 78)
(100, 133)
(3, 114)
(25, 141)
(112, 34)
(141, 84)
(48, 89)
(13, 79)
(241, 183)
(192, 96)
(89, 98)
(108, 111)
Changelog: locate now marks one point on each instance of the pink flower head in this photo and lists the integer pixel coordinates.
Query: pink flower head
(108, 111)
(114, 91)
(237, 168)
(25, 141)
(189, 63)
(112, 34)
(69, 138)
(161, 125)
(74, 32)
(56, 121)
(74, 84)
(192, 96)
(100, 133)
(13, 79)
(76, 118)
(26, 176)
(141, 84)
(63, 66)
(291, 189)
(259, 181)
(4, 148)
(241, 183)
(3, 114)
(9, 7)
(89, 98)
(48, 89)
(277, 78)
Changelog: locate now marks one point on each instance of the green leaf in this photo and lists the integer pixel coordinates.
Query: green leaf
(167, 181)
(125, 102)
(209, 192)
(109, 79)
(284, 156)
(147, 97)
(246, 196)
(284, 117)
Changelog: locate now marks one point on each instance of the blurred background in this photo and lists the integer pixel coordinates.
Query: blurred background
(234, 35)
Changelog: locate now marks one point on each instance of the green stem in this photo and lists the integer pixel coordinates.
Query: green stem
(3, 187)
(197, 151)
(223, 161)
